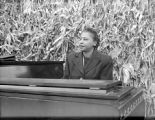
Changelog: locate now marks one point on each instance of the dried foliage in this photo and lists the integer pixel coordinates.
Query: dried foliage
(38, 30)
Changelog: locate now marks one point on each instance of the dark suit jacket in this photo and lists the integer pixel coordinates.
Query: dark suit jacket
(98, 67)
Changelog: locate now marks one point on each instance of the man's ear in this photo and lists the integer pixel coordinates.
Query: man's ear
(95, 43)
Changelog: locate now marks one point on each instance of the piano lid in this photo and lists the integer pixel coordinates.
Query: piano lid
(68, 92)
(65, 83)
(31, 69)
(7, 58)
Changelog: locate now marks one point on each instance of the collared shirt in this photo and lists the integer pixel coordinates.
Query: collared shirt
(85, 60)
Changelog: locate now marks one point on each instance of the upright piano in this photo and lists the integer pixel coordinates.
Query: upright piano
(25, 96)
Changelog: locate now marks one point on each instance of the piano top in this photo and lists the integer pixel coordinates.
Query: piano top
(68, 92)
(96, 89)
(70, 83)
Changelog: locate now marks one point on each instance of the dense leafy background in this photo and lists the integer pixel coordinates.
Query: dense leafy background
(46, 30)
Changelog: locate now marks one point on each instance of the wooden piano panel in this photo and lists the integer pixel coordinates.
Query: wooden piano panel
(14, 71)
(31, 69)
(27, 107)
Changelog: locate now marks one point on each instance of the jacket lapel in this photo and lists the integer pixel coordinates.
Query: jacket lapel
(94, 60)
(78, 62)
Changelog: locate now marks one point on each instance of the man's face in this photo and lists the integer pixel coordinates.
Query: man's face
(86, 43)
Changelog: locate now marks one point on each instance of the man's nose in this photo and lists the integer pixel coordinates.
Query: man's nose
(81, 41)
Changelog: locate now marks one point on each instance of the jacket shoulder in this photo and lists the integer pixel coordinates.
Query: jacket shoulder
(105, 58)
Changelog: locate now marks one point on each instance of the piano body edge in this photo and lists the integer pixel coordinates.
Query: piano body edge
(34, 105)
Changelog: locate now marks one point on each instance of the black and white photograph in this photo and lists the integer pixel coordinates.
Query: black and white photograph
(77, 59)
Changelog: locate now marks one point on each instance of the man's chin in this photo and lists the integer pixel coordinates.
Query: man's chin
(82, 50)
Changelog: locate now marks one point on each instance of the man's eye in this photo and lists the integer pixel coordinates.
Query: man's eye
(85, 39)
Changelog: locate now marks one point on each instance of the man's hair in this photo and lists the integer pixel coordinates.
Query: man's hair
(95, 35)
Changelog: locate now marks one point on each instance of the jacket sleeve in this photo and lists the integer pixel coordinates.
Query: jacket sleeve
(107, 71)
(66, 70)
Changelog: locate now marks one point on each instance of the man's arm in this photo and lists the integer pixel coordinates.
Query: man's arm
(107, 71)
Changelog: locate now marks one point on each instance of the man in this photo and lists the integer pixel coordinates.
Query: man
(89, 63)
